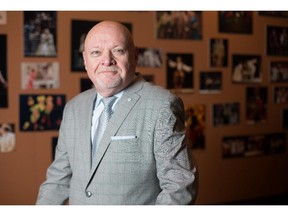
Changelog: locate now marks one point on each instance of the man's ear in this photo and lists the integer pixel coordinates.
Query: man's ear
(84, 59)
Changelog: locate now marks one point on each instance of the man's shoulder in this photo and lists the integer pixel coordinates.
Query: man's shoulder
(145, 88)
(83, 97)
(151, 89)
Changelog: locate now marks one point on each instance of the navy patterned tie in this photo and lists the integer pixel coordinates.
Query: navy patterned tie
(103, 120)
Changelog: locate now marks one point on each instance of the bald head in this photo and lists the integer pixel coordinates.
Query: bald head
(112, 26)
(110, 57)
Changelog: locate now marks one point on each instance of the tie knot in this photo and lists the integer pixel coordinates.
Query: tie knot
(108, 101)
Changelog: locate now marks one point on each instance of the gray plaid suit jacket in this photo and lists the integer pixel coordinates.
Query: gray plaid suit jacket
(142, 157)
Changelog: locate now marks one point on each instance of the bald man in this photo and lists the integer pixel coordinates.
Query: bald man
(141, 157)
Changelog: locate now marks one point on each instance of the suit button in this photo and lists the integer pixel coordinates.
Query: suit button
(88, 194)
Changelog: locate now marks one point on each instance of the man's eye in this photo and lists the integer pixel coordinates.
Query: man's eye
(95, 53)
(119, 51)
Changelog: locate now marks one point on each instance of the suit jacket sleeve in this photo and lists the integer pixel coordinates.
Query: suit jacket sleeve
(55, 190)
(175, 170)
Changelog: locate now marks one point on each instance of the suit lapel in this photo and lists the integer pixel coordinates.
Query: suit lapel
(124, 106)
(86, 132)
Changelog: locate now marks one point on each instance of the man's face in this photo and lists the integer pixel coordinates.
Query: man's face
(110, 59)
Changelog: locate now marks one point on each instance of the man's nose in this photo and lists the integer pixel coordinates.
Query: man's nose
(108, 59)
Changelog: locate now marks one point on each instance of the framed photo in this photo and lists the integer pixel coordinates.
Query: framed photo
(195, 123)
(240, 22)
(277, 143)
(3, 17)
(3, 72)
(53, 147)
(44, 75)
(246, 69)
(279, 71)
(226, 114)
(180, 72)
(41, 112)
(277, 41)
(285, 118)
(210, 81)
(280, 94)
(149, 57)
(253, 145)
(85, 84)
(218, 52)
(179, 25)
(40, 33)
(256, 105)
(7, 137)
(79, 30)
(233, 146)
(281, 14)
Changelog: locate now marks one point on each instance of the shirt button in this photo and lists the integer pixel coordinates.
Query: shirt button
(88, 194)
(129, 99)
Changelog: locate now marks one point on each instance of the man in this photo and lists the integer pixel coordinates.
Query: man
(142, 157)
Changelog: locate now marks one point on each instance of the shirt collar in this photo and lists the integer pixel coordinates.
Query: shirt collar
(99, 97)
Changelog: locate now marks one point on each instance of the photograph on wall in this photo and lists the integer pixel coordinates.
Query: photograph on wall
(277, 41)
(280, 94)
(180, 72)
(79, 30)
(256, 105)
(195, 123)
(218, 52)
(277, 143)
(279, 71)
(85, 84)
(246, 68)
(40, 75)
(3, 17)
(233, 146)
(53, 147)
(210, 82)
(279, 14)
(285, 118)
(3, 72)
(41, 112)
(40, 33)
(149, 57)
(239, 22)
(253, 145)
(225, 114)
(7, 137)
(179, 25)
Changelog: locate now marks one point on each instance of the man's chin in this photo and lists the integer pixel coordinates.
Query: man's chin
(110, 83)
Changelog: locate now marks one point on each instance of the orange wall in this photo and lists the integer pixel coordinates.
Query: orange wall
(221, 180)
